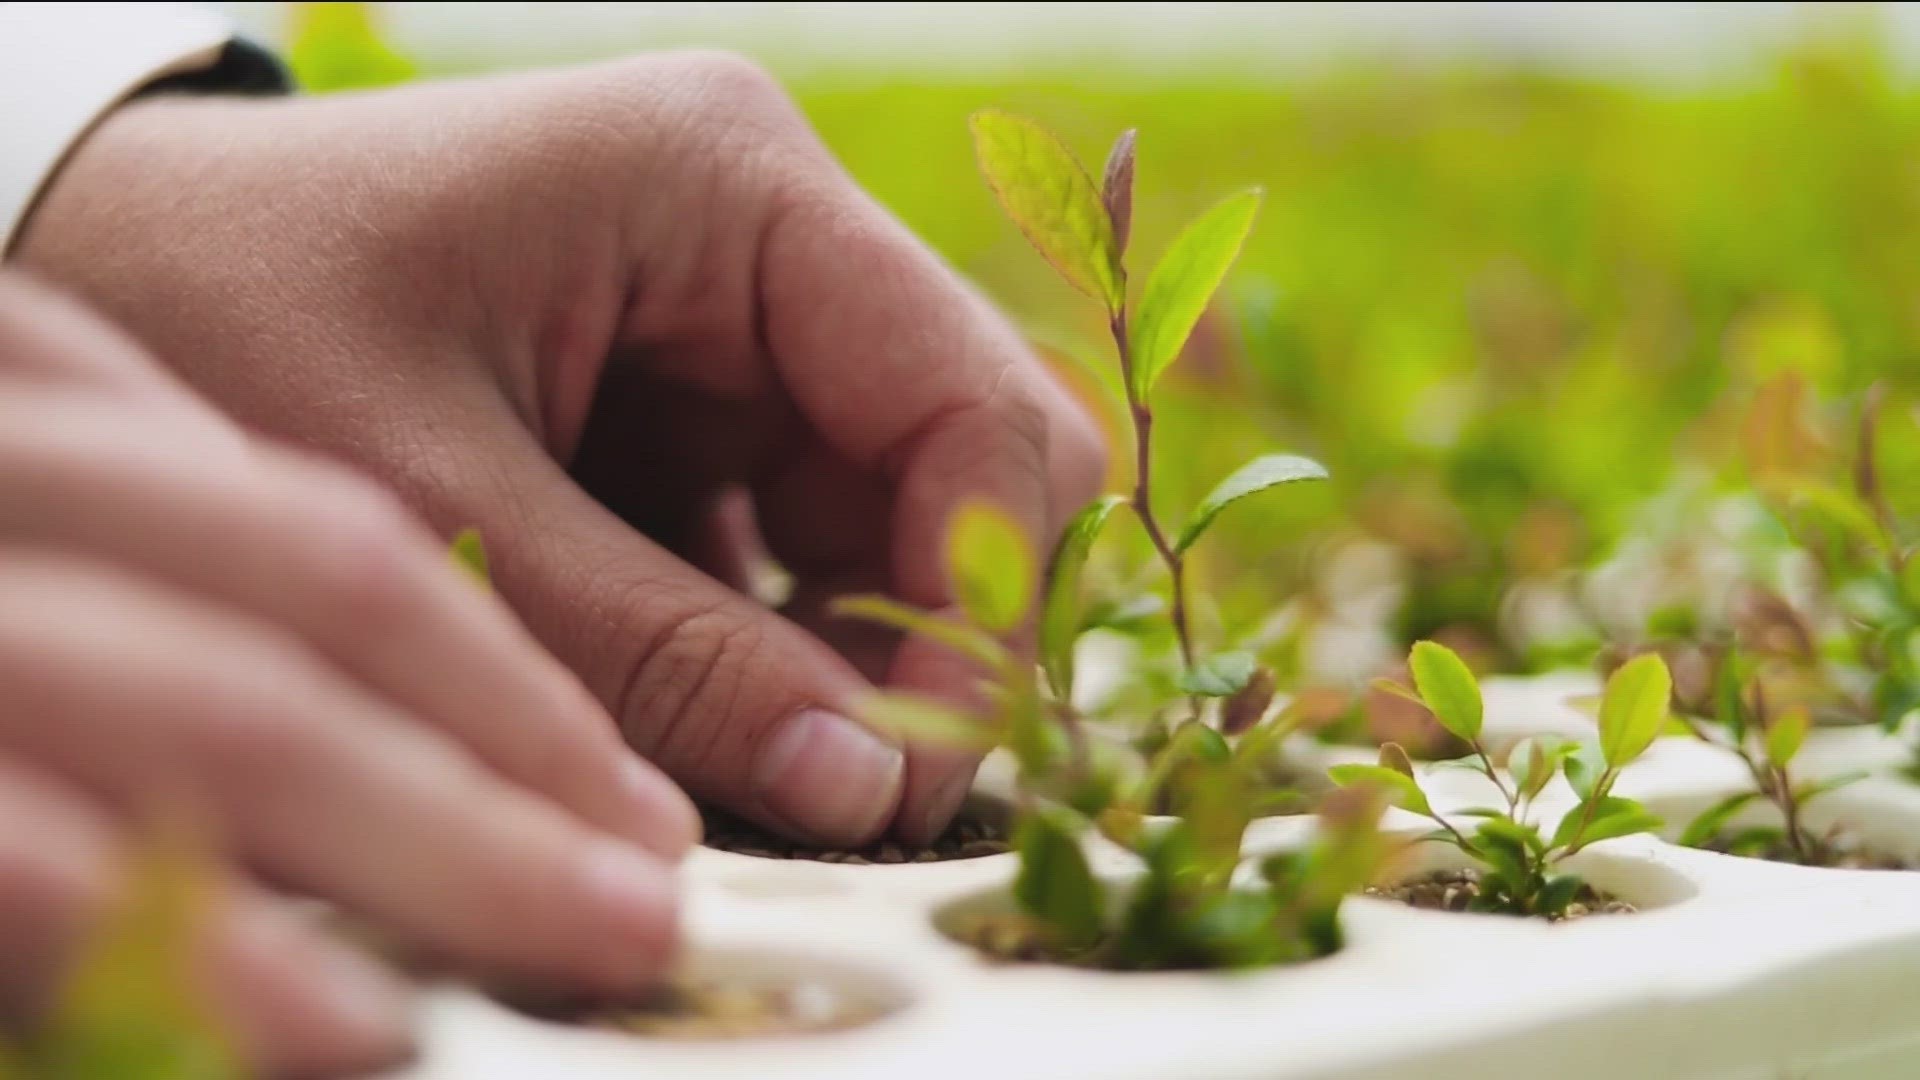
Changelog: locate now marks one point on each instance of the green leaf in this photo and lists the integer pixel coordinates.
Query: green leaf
(1534, 762)
(336, 47)
(1785, 736)
(916, 718)
(1043, 188)
(1447, 686)
(1394, 756)
(129, 1011)
(470, 554)
(992, 566)
(1219, 675)
(1634, 710)
(1582, 770)
(1270, 470)
(1398, 788)
(1180, 287)
(1557, 893)
(1714, 819)
(890, 612)
(1055, 885)
(1061, 610)
(1610, 817)
(1806, 793)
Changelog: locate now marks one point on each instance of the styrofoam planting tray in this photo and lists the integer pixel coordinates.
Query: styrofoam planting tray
(1734, 969)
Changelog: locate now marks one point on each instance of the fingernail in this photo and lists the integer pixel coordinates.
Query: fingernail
(828, 778)
(944, 804)
(370, 1005)
(665, 819)
(634, 897)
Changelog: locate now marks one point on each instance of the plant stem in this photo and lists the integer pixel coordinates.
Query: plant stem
(1142, 416)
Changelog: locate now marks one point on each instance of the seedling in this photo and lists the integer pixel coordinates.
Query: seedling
(1184, 911)
(1520, 867)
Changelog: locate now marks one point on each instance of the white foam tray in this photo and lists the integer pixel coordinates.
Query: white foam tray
(1735, 969)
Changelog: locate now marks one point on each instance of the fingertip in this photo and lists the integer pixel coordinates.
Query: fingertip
(634, 901)
(663, 818)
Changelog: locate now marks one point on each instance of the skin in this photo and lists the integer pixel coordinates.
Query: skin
(587, 311)
(630, 321)
(198, 625)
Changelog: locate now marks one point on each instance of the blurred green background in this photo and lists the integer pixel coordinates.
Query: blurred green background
(1521, 310)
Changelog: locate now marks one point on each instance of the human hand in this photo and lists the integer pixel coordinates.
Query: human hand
(193, 621)
(572, 308)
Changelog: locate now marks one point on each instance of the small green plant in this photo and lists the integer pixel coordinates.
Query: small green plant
(1185, 909)
(469, 553)
(127, 1011)
(337, 46)
(1520, 872)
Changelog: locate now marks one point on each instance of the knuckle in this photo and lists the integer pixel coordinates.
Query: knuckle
(691, 665)
(248, 740)
(732, 81)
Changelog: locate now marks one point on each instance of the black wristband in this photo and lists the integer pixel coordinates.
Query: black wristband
(242, 68)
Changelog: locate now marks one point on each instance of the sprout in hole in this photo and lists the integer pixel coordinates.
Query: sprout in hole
(1183, 911)
(1521, 872)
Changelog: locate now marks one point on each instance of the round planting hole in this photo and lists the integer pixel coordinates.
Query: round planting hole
(1435, 876)
(736, 994)
(981, 828)
(992, 925)
(1873, 824)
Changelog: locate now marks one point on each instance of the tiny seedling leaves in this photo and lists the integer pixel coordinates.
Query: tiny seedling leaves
(1247, 705)
(1220, 675)
(1633, 712)
(470, 555)
(1055, 885)
(1534, 762)
(1785, 735)
(1046, 192)
(1116, 189)
(1583, 769)
(919, 719)
(1270, 470)
(1714, 820)
(1394, 756)
(1610, 817)
(962, 639)
(1396, 787)
(1181, 285)
(1448, 688)
(992, 566)
(1061, 613)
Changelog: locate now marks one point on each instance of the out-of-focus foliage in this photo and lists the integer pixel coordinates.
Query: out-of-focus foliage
(334, 46)
(130, 1010)
(1524, 318)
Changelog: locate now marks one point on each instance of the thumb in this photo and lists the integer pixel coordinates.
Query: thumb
(740, 706)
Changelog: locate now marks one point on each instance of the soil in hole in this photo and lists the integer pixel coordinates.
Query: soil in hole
(1456, 890)
(714, 1007)
(971, 836)
(1837, 852)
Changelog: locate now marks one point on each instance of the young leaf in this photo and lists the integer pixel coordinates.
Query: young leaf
(1447, 686)
(1582, 771)
(1556, 894)
(1610, 817)
(1397, 787)
(470, 554)
(1245, 708)
(1055, 884)
(920, 719)
(1534, 761)
(1785, 736)
(337, 47)
(1220, 675)
(1394, 756)
(1270, 470)
(887, 611)
(129, 1010)
(1634, 710)
(1060, 611)
(992, 566)
(1049, 196)
(1181, 285)
(1806, 793)
(1713, 821)
(1116, 189)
